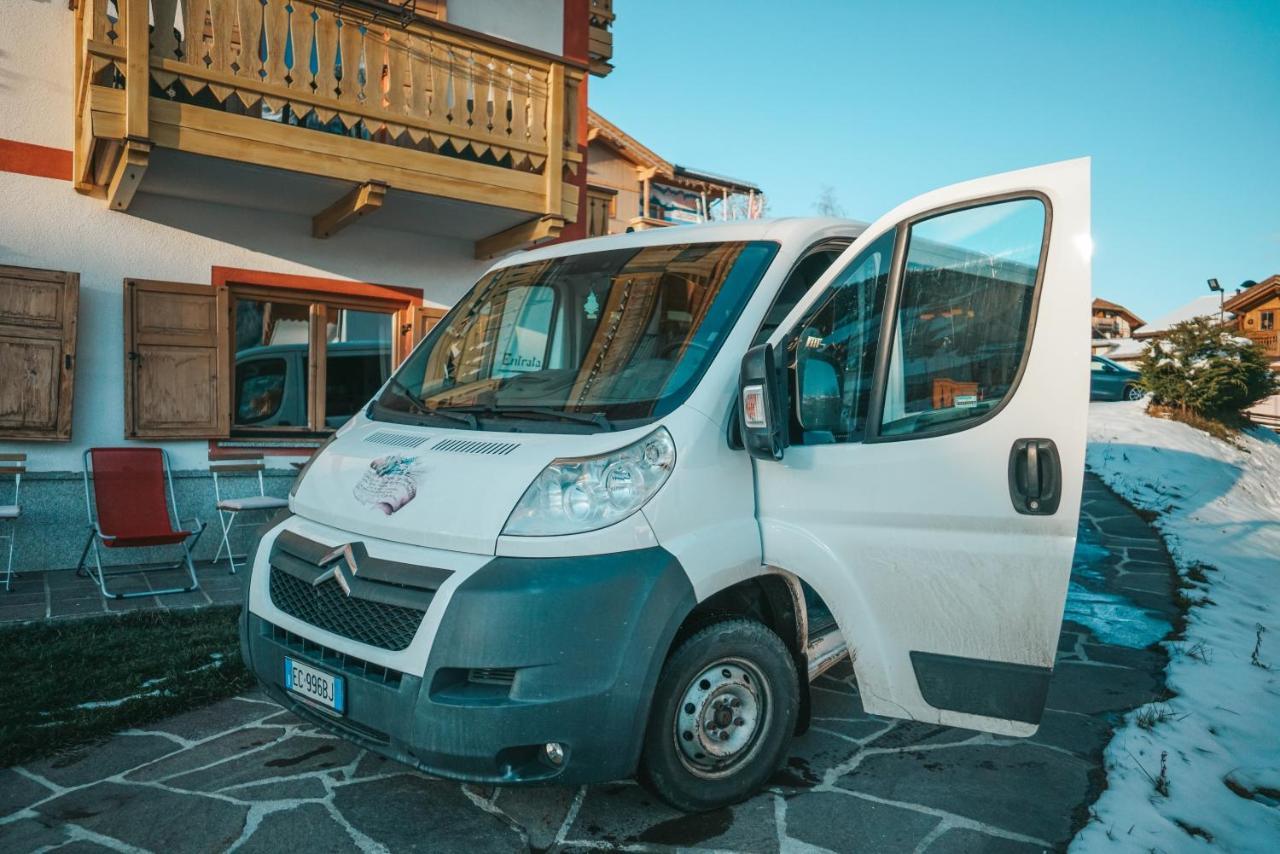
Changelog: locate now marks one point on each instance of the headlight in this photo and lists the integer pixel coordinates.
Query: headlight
(572, 496)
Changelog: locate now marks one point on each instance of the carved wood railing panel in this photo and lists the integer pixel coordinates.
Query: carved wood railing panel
(319, 66)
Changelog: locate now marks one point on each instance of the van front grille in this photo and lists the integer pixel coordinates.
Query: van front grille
(327, 607)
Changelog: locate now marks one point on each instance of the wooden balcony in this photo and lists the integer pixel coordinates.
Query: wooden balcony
(1269, 342)
(600, 37)
(329, 104)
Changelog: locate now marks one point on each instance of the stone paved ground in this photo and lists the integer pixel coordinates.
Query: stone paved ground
(243, 774)
(63, 594)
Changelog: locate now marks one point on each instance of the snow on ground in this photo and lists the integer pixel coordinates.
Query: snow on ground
(1219, 512)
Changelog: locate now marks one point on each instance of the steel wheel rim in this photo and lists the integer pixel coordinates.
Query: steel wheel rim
(720, 719)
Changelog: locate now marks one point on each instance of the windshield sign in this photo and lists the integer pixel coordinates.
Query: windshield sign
(586, 340)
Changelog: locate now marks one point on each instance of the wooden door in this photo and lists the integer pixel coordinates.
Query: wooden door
(38, 352)
(178, 373)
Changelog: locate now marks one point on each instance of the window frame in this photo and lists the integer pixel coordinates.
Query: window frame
(320, 305)
(402, 304)
(892, 306)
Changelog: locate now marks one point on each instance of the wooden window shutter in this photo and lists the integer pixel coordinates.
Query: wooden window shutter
(425, 317)
(37, 352)
(178, 371)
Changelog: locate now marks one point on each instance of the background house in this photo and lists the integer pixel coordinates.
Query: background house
(1112, 331)
(1257, 316)
(222, 234)
(630, 187)
(1111, 320)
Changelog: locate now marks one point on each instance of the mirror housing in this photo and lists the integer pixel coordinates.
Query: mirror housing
(763, 404)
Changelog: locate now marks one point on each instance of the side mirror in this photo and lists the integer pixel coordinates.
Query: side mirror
(763, 403)
(819, 395)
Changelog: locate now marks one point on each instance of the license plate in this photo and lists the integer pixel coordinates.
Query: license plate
(315, 685)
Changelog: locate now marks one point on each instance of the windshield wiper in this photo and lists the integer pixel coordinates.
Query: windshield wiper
(419, 407)
(546, 412)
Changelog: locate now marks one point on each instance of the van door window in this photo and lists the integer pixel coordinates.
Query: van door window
(259, 390)
(964, 316)
(798, 283)
(833, 351)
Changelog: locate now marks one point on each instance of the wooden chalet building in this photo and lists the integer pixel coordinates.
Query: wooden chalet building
(1257, 317)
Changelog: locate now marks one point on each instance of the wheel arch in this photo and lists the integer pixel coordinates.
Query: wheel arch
(773, 598)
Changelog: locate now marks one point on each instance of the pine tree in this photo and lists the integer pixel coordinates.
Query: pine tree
(1199, 368)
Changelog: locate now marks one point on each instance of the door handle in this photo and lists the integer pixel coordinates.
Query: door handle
(1035, 477)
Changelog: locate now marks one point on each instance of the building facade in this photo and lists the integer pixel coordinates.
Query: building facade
(1257, 317)
(227, 220)
(1111, 320)
(630, 187)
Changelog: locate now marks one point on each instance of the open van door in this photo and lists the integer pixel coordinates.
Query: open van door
(930, 485)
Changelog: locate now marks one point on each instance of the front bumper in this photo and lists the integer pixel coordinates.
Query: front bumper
(528, 651)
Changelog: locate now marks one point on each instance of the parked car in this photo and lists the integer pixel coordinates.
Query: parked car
(1110, 380)
(632, 494)
(271, 390)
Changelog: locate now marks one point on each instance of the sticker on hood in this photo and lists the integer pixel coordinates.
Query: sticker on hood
(389, 483)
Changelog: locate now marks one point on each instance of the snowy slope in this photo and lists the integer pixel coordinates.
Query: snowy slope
(1219, 506)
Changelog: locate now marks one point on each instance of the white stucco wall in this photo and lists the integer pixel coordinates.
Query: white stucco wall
(45, 223)
(537, 23)
(37, 64)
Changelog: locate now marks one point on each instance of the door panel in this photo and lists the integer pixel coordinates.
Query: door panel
(902, 516)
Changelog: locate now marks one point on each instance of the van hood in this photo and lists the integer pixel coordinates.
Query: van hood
(445, 489)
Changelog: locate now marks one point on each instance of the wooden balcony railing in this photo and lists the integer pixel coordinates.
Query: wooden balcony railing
(600, 37)
(1269, 342)
(326, 89)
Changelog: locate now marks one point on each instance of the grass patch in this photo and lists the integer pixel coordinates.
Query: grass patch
(74, 682)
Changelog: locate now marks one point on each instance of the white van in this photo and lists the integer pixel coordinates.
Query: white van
(633, 493)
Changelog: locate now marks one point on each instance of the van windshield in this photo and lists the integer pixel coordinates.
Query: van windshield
(581, 341)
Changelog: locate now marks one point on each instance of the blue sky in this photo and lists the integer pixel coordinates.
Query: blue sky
(1177, 103)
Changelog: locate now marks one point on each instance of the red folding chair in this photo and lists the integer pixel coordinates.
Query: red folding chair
(127, 488)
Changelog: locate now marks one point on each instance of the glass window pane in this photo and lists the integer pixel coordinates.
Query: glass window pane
(963, 316)
(624, 333)
(270, 375)
(357, 360)
(834, 350)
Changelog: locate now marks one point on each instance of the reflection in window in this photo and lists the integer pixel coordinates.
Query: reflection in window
(259, 389)
(623, 333)
(357, 361)
(834, 351)
(963, 316)
(271, 378)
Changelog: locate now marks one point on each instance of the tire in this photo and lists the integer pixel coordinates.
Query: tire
(1132, 392)
(740, 682)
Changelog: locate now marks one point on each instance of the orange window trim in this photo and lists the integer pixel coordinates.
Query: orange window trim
(41, 161)
(222, 277)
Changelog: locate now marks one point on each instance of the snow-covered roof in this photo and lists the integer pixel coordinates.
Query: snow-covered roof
(1121, 349)
(1202, 306)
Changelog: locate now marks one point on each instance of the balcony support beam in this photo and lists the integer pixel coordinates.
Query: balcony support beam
(534, 231)
(127, 175)
(361, 200)
(554, 167)
(137, 69)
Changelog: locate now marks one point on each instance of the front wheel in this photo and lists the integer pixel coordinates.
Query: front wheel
(723, 713)
(1132, 392)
